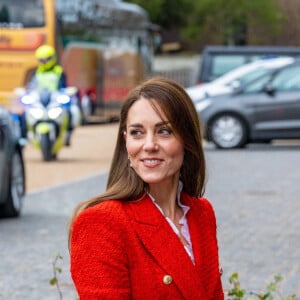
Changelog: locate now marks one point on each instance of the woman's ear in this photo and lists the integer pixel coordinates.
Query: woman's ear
(125, 135)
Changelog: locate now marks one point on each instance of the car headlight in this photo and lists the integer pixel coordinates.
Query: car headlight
(54, 112)
(37, 113)
(28, 99)
(201, 105)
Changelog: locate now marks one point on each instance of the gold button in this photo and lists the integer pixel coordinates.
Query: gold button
(167, 279)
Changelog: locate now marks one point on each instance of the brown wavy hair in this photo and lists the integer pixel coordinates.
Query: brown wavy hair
(123, 183)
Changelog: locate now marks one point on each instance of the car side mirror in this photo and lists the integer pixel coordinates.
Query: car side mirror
(269, 89)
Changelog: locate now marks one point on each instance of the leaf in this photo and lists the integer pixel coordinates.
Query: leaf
(53, 281)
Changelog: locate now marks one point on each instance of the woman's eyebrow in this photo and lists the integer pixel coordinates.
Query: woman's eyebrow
(138, 125)
(163, 123)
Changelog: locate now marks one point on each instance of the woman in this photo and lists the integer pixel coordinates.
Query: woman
(150, 235)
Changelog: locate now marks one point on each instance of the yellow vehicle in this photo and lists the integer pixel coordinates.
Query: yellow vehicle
(103, 59)
(25, 25)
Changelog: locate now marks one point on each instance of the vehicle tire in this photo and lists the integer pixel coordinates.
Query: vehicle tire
(228, 131)
(13, 205)
(46, 146)
(86, 109)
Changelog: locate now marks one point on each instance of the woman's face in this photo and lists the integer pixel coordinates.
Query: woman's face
(155, 153)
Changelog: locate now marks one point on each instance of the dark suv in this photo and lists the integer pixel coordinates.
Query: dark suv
(12, 173)
(218, 60)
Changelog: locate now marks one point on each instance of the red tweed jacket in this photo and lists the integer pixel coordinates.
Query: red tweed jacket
(127, 250)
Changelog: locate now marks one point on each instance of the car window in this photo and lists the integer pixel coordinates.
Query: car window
(257, 85)
(252, 76)
(19, 13)
(287, 79)
(221, 64)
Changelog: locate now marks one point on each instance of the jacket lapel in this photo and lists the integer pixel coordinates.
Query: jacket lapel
(160, 240)
(193, 217)
(201, 225)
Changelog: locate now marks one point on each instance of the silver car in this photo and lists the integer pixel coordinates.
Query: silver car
(232, 80)
(265, 109)
(12, 173)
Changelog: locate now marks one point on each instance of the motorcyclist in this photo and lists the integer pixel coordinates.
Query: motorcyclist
(50, 75)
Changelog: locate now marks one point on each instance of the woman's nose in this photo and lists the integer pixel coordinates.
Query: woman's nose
(150, 144)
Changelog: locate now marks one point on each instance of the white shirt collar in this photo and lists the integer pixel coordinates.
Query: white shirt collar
(185, 208)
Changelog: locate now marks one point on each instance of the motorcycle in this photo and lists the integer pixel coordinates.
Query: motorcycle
(47, 117)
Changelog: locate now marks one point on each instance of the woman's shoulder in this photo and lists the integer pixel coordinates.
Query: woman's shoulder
(201, 205)
(201, 209)
(103, 223)
(109, 204)
(197, 201)
(104, 211)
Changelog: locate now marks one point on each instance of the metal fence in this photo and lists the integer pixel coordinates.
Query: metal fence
(184, 70)
(185, 76)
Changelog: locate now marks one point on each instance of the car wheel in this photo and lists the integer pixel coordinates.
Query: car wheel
(228, 131)
(14, 203)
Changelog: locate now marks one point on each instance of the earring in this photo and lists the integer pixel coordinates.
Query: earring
(130, 164)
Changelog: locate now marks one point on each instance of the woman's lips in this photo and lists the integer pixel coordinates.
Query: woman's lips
(151, 162)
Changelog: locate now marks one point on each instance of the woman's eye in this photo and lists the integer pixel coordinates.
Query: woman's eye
(135, 132)
(165, 131)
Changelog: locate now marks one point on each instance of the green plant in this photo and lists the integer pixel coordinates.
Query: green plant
(55, 280)
(236, 292)
(56, 270)
(272, 291)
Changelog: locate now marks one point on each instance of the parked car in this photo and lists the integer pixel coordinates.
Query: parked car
(218, 60)
(265, 109)
(232, 80)
(12, 172)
